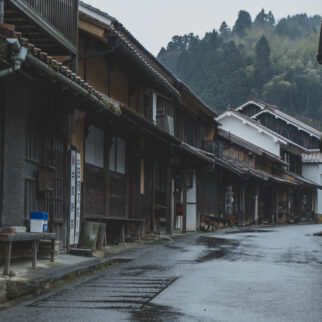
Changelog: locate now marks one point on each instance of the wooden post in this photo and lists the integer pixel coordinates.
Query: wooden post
(123, 232)
(52, 251)
(34, 254)
(256, 205)
(108, 143)
(184, 194)
(168, 200)
(198, 200)
(139, 231)
(153, 194)
(277, 201)
(7, 258)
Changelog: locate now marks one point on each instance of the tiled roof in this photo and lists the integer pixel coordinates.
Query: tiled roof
(257, 102)
(313, 157)
(302, 180)
(143, 55)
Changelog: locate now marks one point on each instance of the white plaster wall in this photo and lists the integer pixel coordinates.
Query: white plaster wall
(250, 134)
(314, 173)
(192, 208)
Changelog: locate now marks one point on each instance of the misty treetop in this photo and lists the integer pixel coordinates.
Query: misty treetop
(275, 62)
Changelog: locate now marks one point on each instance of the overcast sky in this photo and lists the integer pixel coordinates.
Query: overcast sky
(154, 22)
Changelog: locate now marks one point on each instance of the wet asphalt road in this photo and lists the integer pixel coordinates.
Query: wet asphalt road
(267, 274)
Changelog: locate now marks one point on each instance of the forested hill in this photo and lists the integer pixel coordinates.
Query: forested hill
(269, 60)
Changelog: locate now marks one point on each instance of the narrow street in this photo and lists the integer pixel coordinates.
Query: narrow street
(266, 274)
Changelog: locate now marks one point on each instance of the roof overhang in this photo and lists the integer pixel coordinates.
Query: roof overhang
(241, 107)
(96, 14)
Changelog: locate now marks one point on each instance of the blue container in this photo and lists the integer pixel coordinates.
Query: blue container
(38, 222)
(40, 215)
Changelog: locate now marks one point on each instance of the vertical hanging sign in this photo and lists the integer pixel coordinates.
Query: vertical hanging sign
(72, 197)
(78, 196)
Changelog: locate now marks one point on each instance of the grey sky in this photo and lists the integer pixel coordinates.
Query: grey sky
(154, 22)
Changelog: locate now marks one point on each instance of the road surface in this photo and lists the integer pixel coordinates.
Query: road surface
(262, 274)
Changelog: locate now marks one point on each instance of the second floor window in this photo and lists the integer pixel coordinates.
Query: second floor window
(94, 147)
(118, 156)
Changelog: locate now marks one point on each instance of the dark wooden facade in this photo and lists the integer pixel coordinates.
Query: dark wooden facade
(34, 155)
(289, 131)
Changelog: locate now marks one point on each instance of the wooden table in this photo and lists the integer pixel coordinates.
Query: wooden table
(120, 220)
(34, 238)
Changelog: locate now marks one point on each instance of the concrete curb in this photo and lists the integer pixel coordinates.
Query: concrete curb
(12, 289)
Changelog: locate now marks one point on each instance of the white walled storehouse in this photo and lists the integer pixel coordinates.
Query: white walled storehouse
(251, 131)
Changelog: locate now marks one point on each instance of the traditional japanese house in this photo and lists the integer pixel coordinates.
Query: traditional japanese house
(292, 196)
(34, 114)
(300, 134)
(151, 177)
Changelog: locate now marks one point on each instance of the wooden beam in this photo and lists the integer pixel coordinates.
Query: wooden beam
(97, 32)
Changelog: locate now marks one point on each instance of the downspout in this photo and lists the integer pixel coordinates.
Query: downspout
(9, 71)
(1, 11)
(17, 56)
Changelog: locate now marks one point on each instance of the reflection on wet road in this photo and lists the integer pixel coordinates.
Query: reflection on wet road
(268, 274)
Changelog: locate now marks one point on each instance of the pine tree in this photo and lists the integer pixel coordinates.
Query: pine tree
(224, 29)
(262, 70)
(270, 18)
(261, 18)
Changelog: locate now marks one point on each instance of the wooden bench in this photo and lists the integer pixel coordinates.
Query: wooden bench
(34, 238)
(121, 220)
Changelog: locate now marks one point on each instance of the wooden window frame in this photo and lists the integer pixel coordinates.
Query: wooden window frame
(114, 146)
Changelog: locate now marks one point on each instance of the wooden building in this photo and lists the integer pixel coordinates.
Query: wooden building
(291, 138)
(114, 143)
(158, 176)
(34, 116)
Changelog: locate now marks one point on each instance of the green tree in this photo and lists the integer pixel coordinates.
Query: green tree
(261, 18)
(224, 29)
(243, 22)
(270, 18)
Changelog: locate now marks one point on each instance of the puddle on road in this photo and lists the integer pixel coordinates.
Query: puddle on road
(220, 247)
(138, 270)
(215, 241)
(175, 247)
